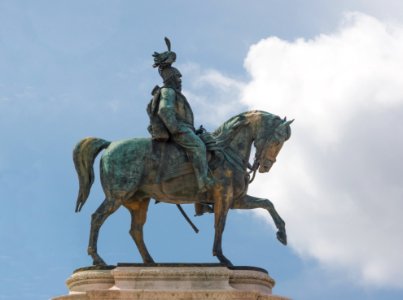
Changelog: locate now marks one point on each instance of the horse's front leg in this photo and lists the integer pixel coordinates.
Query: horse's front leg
(223, 198)
(250, 202)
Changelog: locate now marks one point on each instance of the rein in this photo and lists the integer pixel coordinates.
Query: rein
(253, 169)
(238, 162)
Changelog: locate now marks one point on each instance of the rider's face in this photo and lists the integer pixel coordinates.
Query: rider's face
(172, 78)
(178, 80)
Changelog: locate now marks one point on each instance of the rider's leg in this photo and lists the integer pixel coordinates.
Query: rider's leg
(196, 151)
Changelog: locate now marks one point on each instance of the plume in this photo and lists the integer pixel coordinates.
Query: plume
(168, 42)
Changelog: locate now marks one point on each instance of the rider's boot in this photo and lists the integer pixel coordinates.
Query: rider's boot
(200, 166)
(206, 184)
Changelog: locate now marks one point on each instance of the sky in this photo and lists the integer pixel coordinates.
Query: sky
(72, 69)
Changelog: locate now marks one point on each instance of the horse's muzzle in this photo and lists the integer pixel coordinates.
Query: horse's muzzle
(265, 166)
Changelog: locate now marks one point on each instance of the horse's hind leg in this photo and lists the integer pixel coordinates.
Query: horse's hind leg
(107, 208)
(249, 202)
(138, 210)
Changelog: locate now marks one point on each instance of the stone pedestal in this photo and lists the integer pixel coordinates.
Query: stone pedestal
(170, 281)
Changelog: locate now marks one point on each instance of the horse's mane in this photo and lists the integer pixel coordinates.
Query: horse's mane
(226, 131)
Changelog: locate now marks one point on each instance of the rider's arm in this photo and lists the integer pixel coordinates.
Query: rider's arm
(166, 110)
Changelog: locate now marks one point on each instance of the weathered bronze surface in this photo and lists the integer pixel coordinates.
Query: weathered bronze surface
(181, 165)
(135, 170)
(171, 117)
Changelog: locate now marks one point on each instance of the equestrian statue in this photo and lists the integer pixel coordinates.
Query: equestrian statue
(181, 165)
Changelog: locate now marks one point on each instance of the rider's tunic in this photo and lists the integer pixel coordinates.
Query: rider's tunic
(177, 116)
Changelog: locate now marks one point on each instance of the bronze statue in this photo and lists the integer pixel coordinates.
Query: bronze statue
(172, 118)
(135, 170)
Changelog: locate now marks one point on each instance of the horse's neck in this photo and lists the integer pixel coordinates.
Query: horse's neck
(242, 142)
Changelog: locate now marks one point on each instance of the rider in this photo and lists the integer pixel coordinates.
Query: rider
(171, 107)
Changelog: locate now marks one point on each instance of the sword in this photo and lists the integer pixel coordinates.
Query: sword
(187, 218)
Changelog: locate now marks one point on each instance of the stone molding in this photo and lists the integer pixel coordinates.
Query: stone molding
(170, 281)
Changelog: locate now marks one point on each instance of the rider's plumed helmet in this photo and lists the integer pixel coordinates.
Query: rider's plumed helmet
(164, 61)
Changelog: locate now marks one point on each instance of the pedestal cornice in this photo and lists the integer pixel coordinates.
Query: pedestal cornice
(170, 281)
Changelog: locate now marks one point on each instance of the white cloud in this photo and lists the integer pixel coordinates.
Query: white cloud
(211, 94)
(386, 9)
(339, 182)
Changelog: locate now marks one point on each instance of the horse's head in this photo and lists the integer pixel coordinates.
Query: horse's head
(269, 142)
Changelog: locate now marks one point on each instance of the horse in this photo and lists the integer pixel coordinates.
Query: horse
(133, 171)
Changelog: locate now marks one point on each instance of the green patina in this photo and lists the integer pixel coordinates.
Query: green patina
(132, 172)
(181, 165)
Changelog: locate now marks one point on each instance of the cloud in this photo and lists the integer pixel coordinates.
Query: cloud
(387, 9)
(211, 94)
(338, 182)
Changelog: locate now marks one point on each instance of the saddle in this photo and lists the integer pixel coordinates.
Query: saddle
(172, 160)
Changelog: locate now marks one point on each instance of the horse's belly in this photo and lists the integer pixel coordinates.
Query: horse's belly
(182, 189)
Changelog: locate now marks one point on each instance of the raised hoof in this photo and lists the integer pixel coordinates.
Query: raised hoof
(282, 237)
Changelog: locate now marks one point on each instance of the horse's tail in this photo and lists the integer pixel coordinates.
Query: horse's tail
(84, 155)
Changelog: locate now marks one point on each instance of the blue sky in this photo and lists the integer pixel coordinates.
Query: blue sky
(71, 69)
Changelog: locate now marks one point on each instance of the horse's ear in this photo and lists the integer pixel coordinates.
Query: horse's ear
(285, 123)
(285, 119)
(288, 122)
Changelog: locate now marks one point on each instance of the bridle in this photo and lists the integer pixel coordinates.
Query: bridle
(258, 157)
(253, 168)
(256, 163)
(233, 157)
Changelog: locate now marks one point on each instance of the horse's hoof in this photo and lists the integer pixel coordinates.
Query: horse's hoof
(229, 264)
(149, 261)
(282, 237)
(225, 261)
(99, 262)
